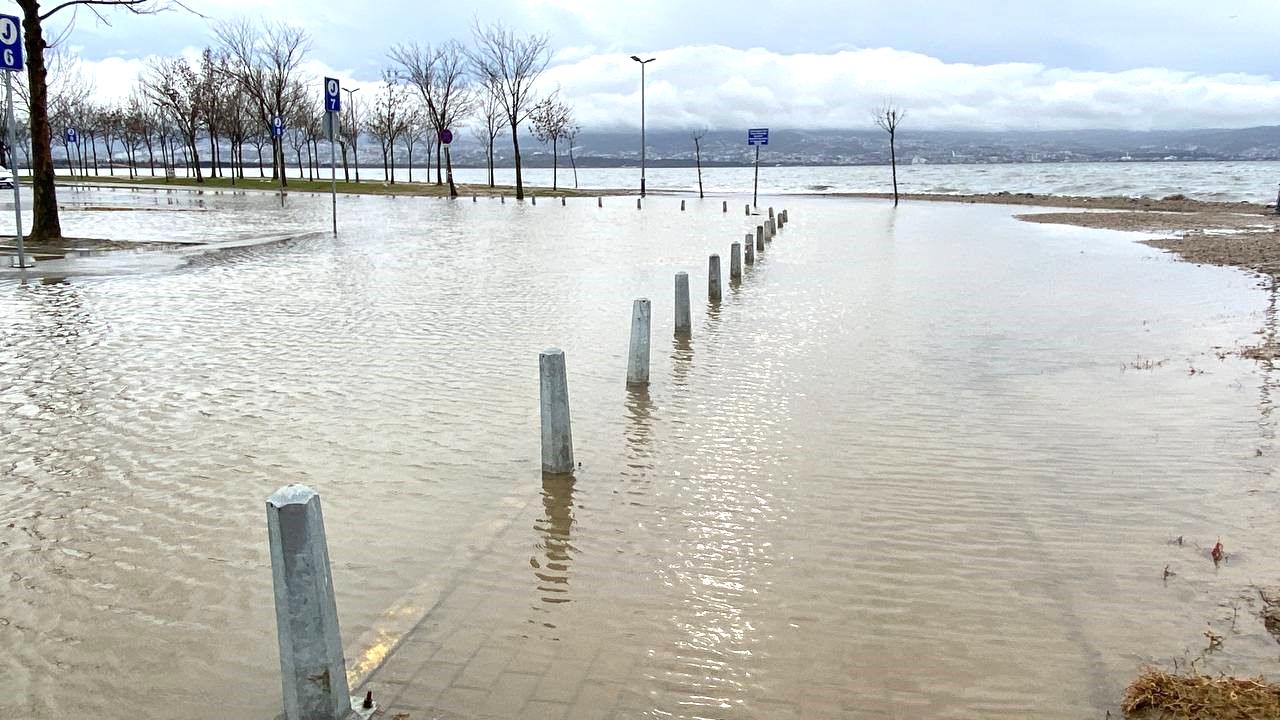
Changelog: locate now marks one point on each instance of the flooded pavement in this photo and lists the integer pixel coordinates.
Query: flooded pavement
(928, 463)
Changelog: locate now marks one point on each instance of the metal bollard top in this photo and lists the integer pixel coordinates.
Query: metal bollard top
(291, 495)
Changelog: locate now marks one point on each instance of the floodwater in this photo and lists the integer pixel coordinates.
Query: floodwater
(1227, 181)
(915, 465)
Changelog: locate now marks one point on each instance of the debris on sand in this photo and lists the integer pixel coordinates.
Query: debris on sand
(1271, 610)
(1201, 697)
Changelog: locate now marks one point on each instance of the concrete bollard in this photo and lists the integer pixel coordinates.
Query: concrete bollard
(681, 206)
(503, 198)
(759, 238)
(748, 211)
(735, 263)
(770, 213)
(562, 201)
(599, 202)
(750, 248)
(725, 206)
(534, 198)
(473, 199)
(713, 279)
(312, 667)
(557, 435)
(684, 320)
(637, 203)
(769, 230)
(638, 355)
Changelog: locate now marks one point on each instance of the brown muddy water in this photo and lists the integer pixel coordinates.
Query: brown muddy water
(923, 463)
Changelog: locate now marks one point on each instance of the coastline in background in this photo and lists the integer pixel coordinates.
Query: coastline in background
(1233, 181)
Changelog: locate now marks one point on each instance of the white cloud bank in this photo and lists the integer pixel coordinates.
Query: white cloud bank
(727, 88)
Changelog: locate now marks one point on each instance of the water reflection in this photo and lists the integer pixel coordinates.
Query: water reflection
(554, 547)
(681, 361)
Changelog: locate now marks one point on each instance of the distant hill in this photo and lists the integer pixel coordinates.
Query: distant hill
(865, 147)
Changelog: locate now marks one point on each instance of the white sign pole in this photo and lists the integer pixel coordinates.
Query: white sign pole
(333, 167)
(17, 186)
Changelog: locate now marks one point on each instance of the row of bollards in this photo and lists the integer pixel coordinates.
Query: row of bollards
(312, 663)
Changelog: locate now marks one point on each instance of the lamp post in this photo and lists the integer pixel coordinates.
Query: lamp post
(642, 140)
(355, 131)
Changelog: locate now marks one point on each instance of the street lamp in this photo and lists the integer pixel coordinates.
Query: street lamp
(355, 131)
(642, 141)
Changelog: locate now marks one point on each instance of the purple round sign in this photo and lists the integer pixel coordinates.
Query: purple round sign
(446, 136)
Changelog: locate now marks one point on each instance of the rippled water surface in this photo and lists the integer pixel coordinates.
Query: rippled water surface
(915, 463)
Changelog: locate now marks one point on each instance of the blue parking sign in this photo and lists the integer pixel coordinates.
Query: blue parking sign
(277, 126)
(10, 43)
(72, 136)
(332, 95)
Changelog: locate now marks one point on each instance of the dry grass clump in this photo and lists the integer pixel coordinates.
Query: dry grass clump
(1159, 694)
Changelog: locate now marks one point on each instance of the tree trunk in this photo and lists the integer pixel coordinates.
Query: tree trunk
(893, 160)
(111, 167)
(574, 163)
(213, 155)
(448, 163)
(195, 160)
(346, 171)
(491, 139)
(93, 141)
(515, 148)
(438, 151)
(697, 149)
(555, 164)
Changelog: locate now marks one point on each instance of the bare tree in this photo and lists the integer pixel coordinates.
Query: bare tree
(417, 128)
(349, 125)
(264, 62)
(571, 136)
(133, 130)
(551, 122)
(440, 75)
(887, 118)
(110, 122)
(492, 122)
(45, 224)
(509, 64)
(698, 135)
(237, 119)
(177, 88)
(386, 120)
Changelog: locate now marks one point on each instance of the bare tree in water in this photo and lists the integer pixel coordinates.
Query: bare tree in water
(887, 118)
(697, 153)
(45, 224)
(509, 65)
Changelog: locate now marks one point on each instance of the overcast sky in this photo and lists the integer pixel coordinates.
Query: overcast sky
(981, 64)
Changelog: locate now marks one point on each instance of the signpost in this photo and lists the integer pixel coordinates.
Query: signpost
(11, 62)
(757, 137)
(277, 133)
(446, 137)
(333, 106)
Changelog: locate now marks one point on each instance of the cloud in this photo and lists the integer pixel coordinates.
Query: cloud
(727, 88)
(724, 88)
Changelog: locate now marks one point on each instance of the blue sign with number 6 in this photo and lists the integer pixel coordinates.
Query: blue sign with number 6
(10, 43)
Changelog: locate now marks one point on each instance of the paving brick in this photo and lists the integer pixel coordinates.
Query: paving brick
(509, 694)
(543, 710)
(596, 701)
(483, 668)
